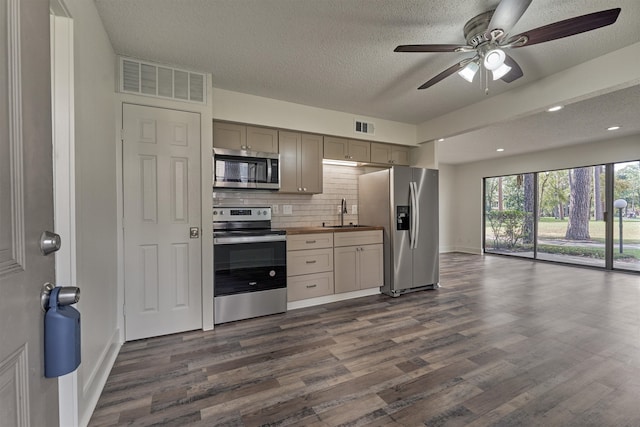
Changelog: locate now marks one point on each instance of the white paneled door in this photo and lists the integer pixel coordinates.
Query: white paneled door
(162, 255)
(26, 209)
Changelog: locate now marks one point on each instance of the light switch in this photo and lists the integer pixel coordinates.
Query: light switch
(274, 209)
(354, 209)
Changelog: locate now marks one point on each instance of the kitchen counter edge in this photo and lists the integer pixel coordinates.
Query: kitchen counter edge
(310, 230)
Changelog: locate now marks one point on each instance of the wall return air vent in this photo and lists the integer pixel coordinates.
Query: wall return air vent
(363, 127)
(145, 78)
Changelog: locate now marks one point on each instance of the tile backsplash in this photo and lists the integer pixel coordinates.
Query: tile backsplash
(306, 210)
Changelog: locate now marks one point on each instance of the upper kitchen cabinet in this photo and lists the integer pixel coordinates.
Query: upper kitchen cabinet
(389, 154)
(241, 137)
(300, 162)
(347, 149)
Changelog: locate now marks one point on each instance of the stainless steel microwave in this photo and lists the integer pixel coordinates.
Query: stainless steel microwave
(245, 169)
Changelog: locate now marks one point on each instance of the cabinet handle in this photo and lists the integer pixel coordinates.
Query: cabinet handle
(299, 189)
(309, 242)
(311, 262)
(304, 189)
(248, 147)
(311, 286)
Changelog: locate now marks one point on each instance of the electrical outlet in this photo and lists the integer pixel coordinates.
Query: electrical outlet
(354, 209)
(338, 209)
(274, 209)
(287, 209)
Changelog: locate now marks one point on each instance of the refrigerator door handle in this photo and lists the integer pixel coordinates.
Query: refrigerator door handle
(412, 209)
(416, 211)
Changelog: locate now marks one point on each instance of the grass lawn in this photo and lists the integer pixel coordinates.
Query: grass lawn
(551, 228)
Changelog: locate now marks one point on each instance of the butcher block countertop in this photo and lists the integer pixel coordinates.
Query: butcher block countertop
(330, 229)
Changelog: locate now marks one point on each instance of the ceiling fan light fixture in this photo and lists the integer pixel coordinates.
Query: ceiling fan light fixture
(494, 59)
(500, 72)
(469, 72)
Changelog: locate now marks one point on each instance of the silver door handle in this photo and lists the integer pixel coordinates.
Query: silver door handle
(68, 295)
(417, 215)
(50, 242)
(194, 232)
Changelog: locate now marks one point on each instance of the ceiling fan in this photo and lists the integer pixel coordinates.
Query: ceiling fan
(488, 37)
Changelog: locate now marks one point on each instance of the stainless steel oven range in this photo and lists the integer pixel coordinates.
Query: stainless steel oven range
(250, 272)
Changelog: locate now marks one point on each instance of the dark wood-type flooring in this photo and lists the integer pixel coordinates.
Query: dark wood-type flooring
(504, 342)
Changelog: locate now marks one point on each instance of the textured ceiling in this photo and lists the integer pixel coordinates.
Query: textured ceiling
(338, 54)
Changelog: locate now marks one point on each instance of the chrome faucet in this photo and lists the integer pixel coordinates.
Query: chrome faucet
(343, 210)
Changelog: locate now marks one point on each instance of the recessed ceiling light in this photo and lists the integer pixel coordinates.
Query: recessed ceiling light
(556, 108)
(500, 149)
(614, 127)
(441, 139)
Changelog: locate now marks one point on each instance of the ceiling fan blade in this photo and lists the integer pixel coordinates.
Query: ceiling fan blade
(446, 73)
(515, 73)
(507, 14)
(569, 27)
(429, 48)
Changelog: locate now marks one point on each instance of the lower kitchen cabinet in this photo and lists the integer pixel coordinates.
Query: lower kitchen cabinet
(309, 266)
(309, 286)
(358, 267)
(320, 264)
(358, 260)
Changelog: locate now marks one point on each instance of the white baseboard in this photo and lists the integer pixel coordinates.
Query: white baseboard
(94, 386)
(332, 298)
(468, 250)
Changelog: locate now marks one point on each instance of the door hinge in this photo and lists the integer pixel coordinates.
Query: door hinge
(122, 134)
(124, 310)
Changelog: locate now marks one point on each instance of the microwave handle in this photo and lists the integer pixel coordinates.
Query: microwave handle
(269, 171)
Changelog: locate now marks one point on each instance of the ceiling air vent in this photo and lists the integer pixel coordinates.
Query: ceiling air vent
(145, 78)
(363, 127)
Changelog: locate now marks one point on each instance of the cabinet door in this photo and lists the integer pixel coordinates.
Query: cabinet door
(310, 169)
(370, 266)
(288, 143)
(344, 269)
(263, 140)
(380, 153)
(359, 151)
(336, 148)
(229, 135)
(400, 156)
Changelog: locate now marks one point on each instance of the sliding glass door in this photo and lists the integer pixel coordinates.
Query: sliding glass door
(567, 215)
(509, 214)
(626, 216)
(571, 226)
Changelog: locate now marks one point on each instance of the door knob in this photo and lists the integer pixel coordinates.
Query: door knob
(49, 242)
(194, 232)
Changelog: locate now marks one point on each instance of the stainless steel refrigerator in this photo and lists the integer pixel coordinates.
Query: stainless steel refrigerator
(405, 201)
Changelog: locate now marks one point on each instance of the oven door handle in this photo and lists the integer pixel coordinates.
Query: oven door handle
(248, 239)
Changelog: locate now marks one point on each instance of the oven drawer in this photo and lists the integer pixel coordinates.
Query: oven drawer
(311, 261)
(309, 286)
(297, 242)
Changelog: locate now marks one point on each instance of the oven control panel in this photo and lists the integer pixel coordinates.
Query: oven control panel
(230, 213)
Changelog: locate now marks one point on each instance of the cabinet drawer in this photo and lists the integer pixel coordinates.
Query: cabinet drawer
(355, 238)
(297, 242)
(309, 286)
(311, 261)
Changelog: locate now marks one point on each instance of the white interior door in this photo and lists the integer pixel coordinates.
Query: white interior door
(26, 209)
(161, 168)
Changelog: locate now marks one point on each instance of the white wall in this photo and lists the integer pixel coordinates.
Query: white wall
(96, 202)
(240, 107)
(464, 182)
